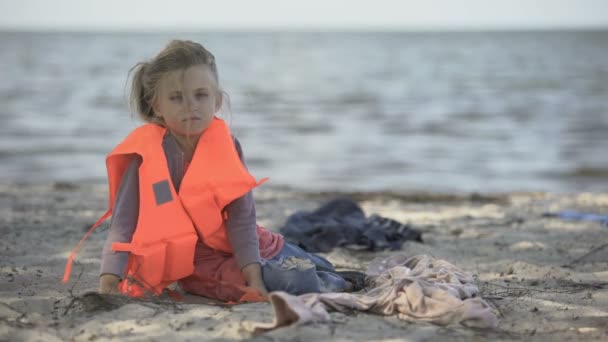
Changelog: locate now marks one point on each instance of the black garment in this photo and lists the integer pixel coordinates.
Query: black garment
(342, 222)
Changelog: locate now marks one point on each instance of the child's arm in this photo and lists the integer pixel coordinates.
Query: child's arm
(122, 226)
(241, 227)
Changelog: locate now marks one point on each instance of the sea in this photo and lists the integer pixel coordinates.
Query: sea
(332, 111)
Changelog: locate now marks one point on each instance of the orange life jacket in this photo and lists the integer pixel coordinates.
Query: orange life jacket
(170, 223)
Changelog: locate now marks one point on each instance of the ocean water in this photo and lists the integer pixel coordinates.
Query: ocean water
(461, 112)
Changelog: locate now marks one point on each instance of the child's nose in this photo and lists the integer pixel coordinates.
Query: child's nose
(192, 103)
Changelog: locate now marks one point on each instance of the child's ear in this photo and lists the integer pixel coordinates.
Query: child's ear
(218, 101)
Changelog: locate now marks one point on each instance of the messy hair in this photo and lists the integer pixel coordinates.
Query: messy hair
(146, 76)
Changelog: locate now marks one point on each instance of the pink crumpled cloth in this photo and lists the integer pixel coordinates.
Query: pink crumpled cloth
(416, 288)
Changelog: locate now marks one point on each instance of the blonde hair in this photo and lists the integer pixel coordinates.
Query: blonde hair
(146, 76)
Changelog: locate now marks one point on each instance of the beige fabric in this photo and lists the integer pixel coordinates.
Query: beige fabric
(416, 288)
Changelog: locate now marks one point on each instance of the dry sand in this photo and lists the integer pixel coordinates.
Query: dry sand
(537, 272)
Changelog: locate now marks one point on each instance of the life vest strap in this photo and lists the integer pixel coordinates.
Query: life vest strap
(68, 266)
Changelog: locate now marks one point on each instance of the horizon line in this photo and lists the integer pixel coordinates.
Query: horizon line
(316, 29)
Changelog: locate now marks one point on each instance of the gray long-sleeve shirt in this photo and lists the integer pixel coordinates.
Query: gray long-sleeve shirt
(241, 223)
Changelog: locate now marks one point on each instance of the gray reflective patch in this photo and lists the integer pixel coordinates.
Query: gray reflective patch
(162, 192)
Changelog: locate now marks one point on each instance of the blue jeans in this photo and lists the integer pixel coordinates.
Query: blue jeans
(296, 272)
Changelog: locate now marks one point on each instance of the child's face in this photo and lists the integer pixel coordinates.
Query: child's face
(187, 100)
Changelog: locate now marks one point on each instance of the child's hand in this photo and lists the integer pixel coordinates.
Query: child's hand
(108, 283)
(253, 276)
(260, 287)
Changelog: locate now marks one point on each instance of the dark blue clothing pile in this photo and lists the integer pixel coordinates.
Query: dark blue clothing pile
(342, 222)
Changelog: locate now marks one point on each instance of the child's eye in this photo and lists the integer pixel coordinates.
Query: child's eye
(200, 95)
(175, 98)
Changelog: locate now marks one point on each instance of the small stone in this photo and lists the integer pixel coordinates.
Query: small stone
(64, 186)
(535, 309)
(456, 232)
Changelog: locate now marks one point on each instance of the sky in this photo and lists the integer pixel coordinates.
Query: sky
(151, 15)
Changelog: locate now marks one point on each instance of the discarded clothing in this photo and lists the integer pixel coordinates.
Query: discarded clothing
(416, 288)
(575, 215)
(342, 222)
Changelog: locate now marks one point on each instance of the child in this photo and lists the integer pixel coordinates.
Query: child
(181, 201)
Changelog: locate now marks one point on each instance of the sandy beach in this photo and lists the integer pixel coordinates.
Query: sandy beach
(547, 278)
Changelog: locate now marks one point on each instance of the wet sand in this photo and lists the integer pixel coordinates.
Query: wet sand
(547, 278)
